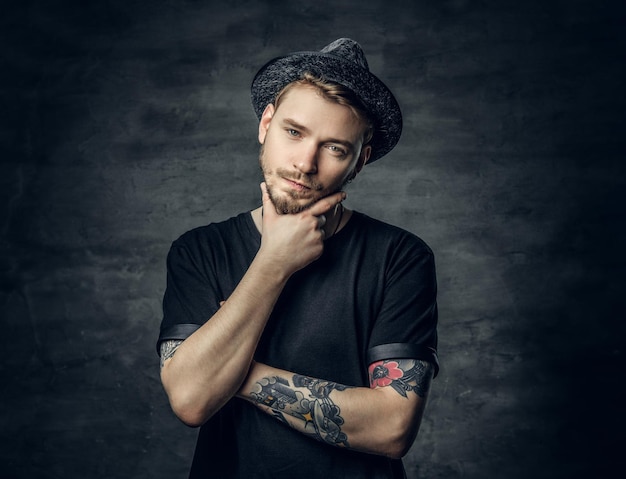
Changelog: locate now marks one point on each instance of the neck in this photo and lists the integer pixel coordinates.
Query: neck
(336, 219)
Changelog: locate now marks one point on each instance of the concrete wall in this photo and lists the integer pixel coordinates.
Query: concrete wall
(125, 123)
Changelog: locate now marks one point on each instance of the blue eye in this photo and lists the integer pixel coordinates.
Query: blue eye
(292, 132)
(336, 150)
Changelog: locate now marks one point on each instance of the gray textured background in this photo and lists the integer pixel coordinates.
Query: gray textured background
(125, 123)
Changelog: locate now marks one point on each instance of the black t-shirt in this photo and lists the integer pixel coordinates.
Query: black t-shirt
(370, 296)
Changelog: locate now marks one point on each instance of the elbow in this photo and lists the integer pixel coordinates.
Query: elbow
(192, 402)
(399, 427)
(398, 447)
(400, 437)
(186, 409)
(186, 404)
(192, 421)
(189, 416)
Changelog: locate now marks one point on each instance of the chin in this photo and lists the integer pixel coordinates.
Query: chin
(287, 205)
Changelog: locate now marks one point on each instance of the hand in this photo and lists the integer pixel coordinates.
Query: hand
(293, 241)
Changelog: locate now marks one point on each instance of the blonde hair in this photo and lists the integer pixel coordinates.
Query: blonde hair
(335, 93)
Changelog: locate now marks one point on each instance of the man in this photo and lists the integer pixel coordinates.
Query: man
(301, 336)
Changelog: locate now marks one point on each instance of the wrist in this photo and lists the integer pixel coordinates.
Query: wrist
(270, 267)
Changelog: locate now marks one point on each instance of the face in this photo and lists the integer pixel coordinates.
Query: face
(310, 147)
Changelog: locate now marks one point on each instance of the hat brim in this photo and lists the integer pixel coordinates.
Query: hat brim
(376, 97)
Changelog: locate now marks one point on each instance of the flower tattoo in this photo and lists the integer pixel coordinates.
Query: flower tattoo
(403, 375)
(383, 374)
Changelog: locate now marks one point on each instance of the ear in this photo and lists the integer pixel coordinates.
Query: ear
(264, 123)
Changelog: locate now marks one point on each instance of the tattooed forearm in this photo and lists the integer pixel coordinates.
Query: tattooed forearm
(403, 375)
(306, 405)
(168, 349)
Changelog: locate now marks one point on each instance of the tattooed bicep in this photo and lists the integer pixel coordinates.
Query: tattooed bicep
(403, 375)
(168, 349)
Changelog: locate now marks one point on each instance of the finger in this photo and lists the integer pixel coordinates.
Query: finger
(264, 194)
(325, 204)
(268, 206)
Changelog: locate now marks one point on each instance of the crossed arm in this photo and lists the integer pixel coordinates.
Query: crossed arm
(380, 420)
(383, 419)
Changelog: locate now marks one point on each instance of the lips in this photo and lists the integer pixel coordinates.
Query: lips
(297, 185)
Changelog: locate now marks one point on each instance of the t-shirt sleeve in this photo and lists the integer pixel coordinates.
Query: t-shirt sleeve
(191, 295)
(406, 326)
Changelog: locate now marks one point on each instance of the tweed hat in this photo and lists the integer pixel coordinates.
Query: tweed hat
(342, 62)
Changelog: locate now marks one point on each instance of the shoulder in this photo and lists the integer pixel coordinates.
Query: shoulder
(205, 244)
(201, 235)
(388, 235)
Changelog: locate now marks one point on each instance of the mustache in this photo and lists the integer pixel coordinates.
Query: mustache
(301, 178)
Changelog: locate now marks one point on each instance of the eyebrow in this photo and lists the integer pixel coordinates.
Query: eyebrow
(297, 126)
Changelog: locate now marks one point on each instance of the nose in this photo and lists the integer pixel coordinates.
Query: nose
(306, 160)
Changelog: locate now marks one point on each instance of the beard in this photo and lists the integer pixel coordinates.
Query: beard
(292, 202)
